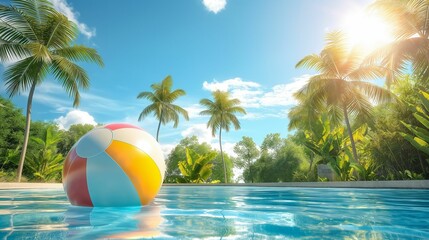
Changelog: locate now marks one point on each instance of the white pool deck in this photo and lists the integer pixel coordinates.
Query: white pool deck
(406, 184)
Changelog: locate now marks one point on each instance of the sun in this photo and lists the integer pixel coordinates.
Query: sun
(367, 31)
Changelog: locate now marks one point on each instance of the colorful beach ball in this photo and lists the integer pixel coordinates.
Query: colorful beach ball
(114, 165)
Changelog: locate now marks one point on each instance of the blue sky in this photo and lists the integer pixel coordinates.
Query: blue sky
(247, 47)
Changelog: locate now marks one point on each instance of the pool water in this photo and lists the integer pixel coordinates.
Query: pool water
(219, 212)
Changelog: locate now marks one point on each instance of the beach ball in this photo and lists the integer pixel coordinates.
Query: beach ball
(114, 165)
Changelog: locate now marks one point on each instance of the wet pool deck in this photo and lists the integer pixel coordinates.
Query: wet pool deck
(406, 184)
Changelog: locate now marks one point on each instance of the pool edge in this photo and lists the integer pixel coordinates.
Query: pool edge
(403, 184)
(15, 185)
(397, 184)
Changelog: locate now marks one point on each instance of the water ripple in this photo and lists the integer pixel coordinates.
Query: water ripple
(215, 212)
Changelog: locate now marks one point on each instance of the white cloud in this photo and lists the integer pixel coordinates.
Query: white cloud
(63, 7)
(214, 6)
(166, 148)
(205, 135)
(200, 131)
(227, 147)
(252, 115)
(247, 92)
(252, 95)
(74, 117)
(102, 103)
(282, 95)
(52, 94)
(229, 84)
(194, 110)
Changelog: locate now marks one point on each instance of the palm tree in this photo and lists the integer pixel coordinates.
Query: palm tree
(339, 87)
(162, 106)
(41, 39)
(410, 19)
(222, 114)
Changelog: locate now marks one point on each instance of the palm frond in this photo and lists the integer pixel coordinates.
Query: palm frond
(80, 53)
(147, 95)
(35, 10)
(71, 76)
(19, 77)
(368, 72)
(312, 61)
(178, 109)
(357, 104)
(335, 114)
(12, 51)
(234, 120)
(59, 32)
(374, 92)
(12, 18)
(174, 95)
(206, 102)
(148, 110)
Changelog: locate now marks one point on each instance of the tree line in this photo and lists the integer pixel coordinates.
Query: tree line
(360, 130)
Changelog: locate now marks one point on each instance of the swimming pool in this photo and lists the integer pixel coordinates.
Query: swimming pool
(220, 212)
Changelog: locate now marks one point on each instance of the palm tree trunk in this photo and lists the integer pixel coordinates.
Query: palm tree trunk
(221, 154)
(159, 126)
(421, 162)
(26, 132)
(251, 175)
(349, 130)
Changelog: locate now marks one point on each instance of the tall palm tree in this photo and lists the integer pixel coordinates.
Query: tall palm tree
(410, 21)
(162, 106)
(41, 39)
(339, 87)
(222, 114)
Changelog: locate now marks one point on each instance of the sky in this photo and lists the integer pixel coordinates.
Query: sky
(246, 47)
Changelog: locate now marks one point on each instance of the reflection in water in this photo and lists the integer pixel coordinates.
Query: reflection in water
(215, 212)
(148, 224)
(109, 222)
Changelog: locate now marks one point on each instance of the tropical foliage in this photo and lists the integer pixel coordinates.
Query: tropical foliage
(339, 88)
(39, 41)
(162, 106)
(247, 153)
(278, 161)
(419, 136)
(46, 163)
(46, 150)
(196, 168)
(178, 153)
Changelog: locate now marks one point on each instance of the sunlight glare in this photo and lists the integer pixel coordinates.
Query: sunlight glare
(367, 31)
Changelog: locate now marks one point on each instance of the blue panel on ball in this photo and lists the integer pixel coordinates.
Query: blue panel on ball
(108, 185)
(94, 142)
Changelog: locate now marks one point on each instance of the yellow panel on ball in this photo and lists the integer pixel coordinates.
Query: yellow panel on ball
(140, 168)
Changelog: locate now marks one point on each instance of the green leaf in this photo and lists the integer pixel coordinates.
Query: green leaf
(417, 142)
(423, 119)
(424, 97)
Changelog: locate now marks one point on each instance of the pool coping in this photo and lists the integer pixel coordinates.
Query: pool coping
(397, 184)
(403, 184)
